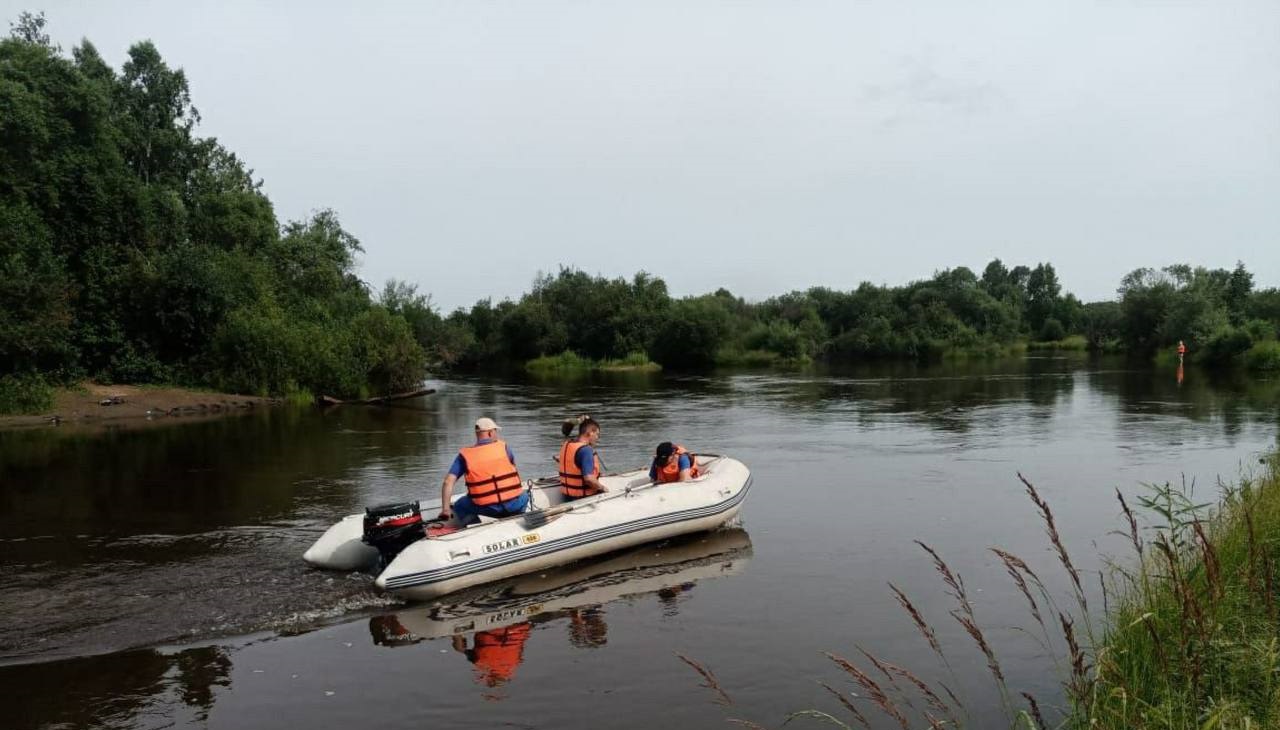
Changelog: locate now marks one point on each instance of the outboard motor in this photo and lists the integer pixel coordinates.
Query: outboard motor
(391, 528)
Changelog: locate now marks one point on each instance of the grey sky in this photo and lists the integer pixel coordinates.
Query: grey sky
(759, 146)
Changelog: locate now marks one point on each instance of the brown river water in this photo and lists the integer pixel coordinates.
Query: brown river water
(151, 577)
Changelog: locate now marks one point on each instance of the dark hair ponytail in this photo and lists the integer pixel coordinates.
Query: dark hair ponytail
(569, 424)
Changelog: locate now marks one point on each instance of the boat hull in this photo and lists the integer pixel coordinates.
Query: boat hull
(632, 513)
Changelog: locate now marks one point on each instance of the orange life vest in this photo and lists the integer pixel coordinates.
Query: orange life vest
(671, 471)
(491, 477)
(572, 484)
(498, 652)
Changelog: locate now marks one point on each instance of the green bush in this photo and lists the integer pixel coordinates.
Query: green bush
(1224, 345)
(1263, 357)
(777, 336)
(391, 358)
(25, 394)
(1052, 330)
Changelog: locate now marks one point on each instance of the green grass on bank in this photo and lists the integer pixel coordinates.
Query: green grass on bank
(571, 362)
(1192, 640)
(1071, 343)
(987, 350)
(733, 357)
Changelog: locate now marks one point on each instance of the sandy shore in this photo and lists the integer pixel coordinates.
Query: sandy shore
(93, 403)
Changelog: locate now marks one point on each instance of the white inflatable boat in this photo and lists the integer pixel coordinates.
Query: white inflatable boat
(668, 566)
(633, 511)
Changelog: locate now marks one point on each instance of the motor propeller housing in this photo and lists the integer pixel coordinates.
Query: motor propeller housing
(391, 528)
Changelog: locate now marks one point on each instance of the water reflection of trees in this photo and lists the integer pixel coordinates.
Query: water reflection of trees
(188, 477)
(1231, 398)
(959, 397)
(114, 690)
(952, 397)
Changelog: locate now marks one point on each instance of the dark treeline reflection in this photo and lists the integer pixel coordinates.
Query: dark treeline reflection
(1232, 398)
(188, 477)
(124, 690)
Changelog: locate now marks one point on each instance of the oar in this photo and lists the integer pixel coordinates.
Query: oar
(538, 518)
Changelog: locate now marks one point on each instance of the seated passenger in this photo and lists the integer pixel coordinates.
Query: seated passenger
(494, 488)
(580, 464)
(673, 464)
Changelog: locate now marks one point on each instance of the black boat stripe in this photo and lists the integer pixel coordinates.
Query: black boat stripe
(438, 575)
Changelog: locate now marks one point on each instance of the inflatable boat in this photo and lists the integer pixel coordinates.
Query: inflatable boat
(665, 569)
(421, 563)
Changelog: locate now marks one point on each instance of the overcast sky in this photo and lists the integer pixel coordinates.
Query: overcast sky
(758, 146)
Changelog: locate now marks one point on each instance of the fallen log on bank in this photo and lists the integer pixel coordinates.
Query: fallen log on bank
(328, 400)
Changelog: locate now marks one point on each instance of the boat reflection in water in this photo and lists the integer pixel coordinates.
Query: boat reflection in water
(491, 626)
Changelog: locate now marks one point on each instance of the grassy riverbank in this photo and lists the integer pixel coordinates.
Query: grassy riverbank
(1192, 640)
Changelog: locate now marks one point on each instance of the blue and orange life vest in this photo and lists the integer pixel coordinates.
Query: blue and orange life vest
(572, 485)
(491, 477)
(670, 472)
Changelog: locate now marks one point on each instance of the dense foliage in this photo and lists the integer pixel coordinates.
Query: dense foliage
(133, 249)
(1216, 312)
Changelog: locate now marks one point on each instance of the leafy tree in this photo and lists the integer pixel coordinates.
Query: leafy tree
(132, 249)
(1238, 288)
(29, 28)
(691, 334)
(1102, 324)
(1043, 295)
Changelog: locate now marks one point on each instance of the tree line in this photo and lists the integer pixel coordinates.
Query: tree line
(134, 250)
(1216, 312)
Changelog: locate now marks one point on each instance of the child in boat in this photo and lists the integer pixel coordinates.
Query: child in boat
(673, 463)
(580, 463)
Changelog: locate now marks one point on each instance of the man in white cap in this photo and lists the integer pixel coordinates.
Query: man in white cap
(494, 488)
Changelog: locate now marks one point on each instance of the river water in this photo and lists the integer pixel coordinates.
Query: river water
(150, 576)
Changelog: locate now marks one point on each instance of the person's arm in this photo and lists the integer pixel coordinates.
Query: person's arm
(586, 458)
(446, 497)
(686, 468)
(457, 469)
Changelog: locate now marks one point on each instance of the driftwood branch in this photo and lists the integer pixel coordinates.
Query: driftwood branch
(328, 400)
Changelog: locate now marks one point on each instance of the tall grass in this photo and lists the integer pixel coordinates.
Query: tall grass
(1191, 641)
(1188, 637)
(737, 357)
(569, 361)
(1073, 343)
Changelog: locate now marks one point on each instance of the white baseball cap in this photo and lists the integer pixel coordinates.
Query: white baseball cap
(486, 424)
